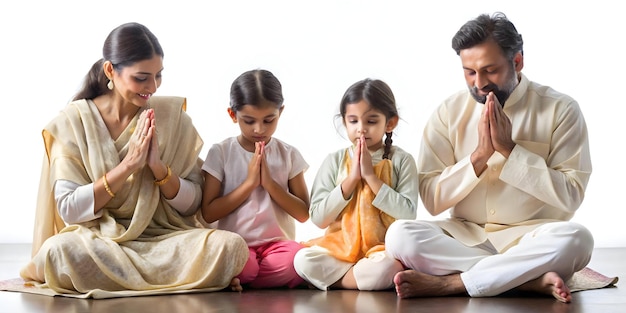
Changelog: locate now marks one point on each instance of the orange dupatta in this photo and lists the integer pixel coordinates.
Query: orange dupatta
(360, 229)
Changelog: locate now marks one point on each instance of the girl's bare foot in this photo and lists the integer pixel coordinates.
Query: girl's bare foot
(235, 285)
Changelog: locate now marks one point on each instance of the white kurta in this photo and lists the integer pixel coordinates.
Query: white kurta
(510, 224)
(544, 178)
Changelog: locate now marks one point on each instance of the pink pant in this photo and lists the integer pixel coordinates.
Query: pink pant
(271, 265)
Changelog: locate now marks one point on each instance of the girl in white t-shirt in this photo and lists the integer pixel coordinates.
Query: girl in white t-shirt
(255, 186)
(357, 193)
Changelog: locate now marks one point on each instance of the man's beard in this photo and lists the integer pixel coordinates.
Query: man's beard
(502, 94)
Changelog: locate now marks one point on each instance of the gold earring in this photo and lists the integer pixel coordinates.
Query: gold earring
(110, 85)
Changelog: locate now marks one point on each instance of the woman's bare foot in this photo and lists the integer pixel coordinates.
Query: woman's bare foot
(411, 283)
(235, 285)
(549, 283)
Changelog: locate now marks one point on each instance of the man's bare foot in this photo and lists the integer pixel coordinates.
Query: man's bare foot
(411, 283)
(549, 283)
(235, 285)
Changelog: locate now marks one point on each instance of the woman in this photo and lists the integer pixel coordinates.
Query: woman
(122, 171)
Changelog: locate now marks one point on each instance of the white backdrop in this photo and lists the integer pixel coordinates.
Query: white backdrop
(317, 49)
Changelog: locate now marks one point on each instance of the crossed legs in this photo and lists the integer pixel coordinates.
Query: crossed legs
(440, 265)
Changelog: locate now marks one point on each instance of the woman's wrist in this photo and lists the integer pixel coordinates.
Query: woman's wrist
(165, 178)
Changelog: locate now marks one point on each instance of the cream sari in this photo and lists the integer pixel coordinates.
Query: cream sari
(140, 245)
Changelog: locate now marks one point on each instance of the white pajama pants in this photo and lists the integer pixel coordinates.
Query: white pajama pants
(561, 247)
(318, 267)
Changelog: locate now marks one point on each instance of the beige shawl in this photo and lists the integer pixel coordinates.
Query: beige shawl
(140, 245)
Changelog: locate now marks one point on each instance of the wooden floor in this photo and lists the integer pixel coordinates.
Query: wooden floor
(608, 261)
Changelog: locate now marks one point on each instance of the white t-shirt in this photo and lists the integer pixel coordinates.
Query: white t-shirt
(259, 219)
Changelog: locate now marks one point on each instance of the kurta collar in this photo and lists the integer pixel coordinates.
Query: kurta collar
(518, 92)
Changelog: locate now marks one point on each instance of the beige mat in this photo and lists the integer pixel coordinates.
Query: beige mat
(585, 279)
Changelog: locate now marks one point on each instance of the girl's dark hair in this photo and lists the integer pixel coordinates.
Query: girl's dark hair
(127, 44)
(484, 27)
(378, 95)
(255, 87)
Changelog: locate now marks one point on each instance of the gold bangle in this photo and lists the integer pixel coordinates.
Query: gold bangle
(164, 180)
(106, 186)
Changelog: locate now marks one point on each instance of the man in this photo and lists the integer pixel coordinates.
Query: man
(509, 159)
